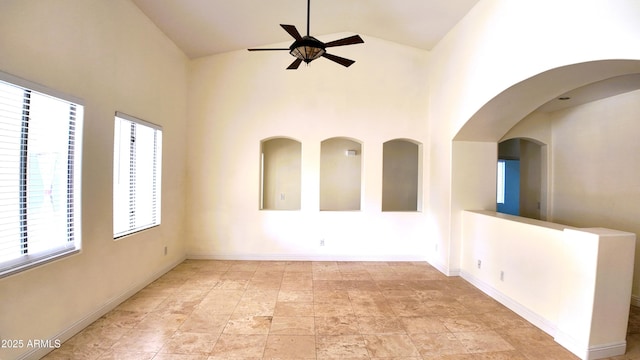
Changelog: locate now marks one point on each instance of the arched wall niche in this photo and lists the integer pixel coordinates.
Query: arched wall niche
(401, 175)
(340, 174)
(280, 173)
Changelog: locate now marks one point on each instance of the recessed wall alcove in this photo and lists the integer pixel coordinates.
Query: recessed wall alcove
(280, 174)
(401, 169)
(340, 174)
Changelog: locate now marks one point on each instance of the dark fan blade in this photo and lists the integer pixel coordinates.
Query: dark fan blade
(294, 65)
(269, 49)
(340, 60)
(355, 39)
(292, 31)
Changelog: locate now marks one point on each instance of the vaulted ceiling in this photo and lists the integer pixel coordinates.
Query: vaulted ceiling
(206, 27)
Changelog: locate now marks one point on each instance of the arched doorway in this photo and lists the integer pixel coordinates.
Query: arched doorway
(475, 145)
(521, 184)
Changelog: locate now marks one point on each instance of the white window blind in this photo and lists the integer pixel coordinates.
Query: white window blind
(40, 149)
(137, 174)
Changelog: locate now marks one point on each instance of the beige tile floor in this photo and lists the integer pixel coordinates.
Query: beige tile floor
(211, 310)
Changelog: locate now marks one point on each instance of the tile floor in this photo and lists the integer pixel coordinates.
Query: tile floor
(210, 310)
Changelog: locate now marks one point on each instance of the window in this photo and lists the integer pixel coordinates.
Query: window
(500, 186)
(40, 153)
(137, 170)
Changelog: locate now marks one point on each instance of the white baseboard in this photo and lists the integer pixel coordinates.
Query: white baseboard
(532, 317)
(288, 257)
(546, 325)
(454, 272)
(606, 351)
(439, 266)
(568, 342)
(590, 353)
(88, 319)
(303, 257)
(443, 268)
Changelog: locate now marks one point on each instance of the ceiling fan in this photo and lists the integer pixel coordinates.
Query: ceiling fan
(307, 48)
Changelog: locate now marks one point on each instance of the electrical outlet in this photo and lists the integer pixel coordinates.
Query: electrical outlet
(501, 275)
(321, 242)
(165, 250)
(479, 263)
(436, 247)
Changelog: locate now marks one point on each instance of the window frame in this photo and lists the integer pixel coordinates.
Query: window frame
(156, 210)
(73, 201)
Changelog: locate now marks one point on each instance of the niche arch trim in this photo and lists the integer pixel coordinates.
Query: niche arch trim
(280, 137)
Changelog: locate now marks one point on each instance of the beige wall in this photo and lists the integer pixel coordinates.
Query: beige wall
(596, 176)
(111, 56)
(238, 98)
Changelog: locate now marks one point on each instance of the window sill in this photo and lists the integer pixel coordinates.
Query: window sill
(32, 261)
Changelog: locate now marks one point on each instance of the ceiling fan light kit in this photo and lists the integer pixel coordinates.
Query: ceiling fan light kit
(307, 48)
